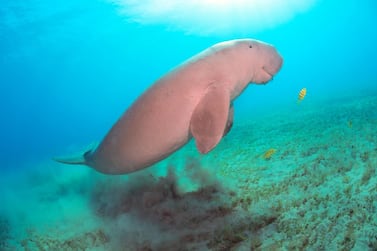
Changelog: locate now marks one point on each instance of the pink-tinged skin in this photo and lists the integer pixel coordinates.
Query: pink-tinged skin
(192, 100)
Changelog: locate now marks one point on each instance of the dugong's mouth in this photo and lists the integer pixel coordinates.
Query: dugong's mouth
(267, 72)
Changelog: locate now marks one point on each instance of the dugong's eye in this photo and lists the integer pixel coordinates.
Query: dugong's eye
(250, 46)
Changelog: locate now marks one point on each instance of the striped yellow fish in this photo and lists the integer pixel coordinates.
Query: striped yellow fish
(301, 95)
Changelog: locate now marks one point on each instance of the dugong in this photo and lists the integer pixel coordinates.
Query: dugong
(194, 100)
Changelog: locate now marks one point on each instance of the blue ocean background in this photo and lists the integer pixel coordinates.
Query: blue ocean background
(69, 69)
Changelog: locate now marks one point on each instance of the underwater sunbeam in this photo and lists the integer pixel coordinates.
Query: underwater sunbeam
(207, 17)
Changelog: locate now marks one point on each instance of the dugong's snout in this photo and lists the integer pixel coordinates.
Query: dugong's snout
(271, 62)
(277, 62)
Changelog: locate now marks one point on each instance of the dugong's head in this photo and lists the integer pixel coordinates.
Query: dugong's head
(260, 60)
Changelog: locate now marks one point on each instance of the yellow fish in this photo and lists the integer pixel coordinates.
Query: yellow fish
(301, 95)
(268, 154)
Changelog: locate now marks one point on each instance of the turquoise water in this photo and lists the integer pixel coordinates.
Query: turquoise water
(288, 176)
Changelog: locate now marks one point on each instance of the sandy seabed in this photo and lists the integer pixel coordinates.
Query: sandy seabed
(296, 178)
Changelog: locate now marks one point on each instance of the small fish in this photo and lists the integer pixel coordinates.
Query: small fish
(268, 154)
(349, 123)
(301, 95)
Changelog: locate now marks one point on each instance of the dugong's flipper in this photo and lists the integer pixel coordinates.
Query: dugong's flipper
(229, 123)
(209, 120)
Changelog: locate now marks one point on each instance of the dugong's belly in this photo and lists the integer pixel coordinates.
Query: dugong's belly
(156, 125)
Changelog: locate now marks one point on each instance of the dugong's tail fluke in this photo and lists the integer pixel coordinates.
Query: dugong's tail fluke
(73, 160)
